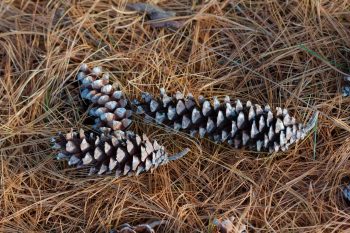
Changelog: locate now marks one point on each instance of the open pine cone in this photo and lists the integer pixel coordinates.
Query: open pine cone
(110, 108)
(122, 153)
(249, 125)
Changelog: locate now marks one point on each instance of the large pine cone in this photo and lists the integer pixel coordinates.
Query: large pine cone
(240, 124)
(122, 153)
(110, 108)
(346, 86)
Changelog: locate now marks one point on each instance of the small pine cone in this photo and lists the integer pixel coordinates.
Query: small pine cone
(122, 153)
(346, 86)
(241, 125)
(110, 108)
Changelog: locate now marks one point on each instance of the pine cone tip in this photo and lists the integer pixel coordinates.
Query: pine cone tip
(312, 122)
(179, 155)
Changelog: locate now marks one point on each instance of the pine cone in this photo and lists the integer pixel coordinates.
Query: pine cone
(122, 153)
(346, 86)
(110, 108)
(249, 125)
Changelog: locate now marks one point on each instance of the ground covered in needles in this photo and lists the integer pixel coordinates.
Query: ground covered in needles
(292, 54)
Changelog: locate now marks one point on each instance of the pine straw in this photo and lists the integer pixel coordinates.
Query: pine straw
(285, 53)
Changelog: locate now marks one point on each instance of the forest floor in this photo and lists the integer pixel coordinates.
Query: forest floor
(292, 54)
